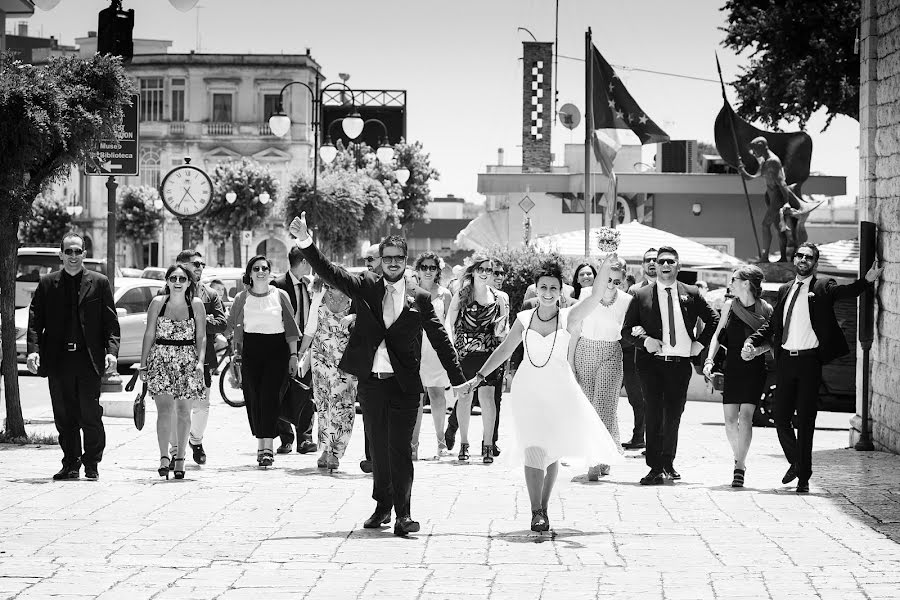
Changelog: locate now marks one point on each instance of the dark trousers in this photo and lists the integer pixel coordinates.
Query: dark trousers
(665, 387)
(635, 395)
(797, 378)
(298, 411)
(264, 374)
(75, 396)
(389, 417)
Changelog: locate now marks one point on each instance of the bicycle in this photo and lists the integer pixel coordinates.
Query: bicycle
(229, 384)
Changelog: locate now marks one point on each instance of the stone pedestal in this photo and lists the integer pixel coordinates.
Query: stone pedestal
(777, 272)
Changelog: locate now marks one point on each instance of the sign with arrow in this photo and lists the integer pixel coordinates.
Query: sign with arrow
(119, 157)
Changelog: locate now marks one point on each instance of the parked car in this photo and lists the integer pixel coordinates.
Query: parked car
(31, 263)
(154, 273)
(130, 272)
(132, 297)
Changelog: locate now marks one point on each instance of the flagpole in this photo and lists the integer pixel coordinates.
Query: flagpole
(588, 129)
(737, 152)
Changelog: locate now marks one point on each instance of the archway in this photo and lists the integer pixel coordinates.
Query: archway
(275, 250)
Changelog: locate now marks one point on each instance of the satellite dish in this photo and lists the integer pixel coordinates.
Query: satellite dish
(569, 116)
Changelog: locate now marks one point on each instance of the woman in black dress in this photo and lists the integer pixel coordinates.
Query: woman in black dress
(744, 380)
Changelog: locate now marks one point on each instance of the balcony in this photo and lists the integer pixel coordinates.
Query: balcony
(264, 129)
(219, 129)
(176, 128)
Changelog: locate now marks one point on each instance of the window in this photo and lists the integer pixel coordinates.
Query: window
(151, 99)
(150, 171)
(222, 108)
(135, 300)
(271, 104)
(178, 99)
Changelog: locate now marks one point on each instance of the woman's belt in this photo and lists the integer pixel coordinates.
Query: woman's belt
(163, 342)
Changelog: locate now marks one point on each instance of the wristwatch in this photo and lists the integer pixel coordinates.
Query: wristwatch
(479, 376)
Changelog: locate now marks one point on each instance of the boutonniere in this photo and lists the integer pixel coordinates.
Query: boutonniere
(811, 295)
(411, 303)
(684, 297)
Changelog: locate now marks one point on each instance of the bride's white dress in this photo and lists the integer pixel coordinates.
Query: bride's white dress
(551, 416)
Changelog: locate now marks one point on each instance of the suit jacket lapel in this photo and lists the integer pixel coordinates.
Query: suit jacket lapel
(86, 284)
(655, 308)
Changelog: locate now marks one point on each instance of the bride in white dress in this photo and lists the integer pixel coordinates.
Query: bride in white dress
(551, 416)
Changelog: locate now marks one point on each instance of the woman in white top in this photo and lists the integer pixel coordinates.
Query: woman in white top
(265, 346)
(597, 352)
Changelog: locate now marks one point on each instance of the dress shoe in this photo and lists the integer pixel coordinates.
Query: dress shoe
(378, 518)
(365, 466)
(306, 447)
(593, 473)
(790, 475)
(634, 445)
(405, 526)
(802, 487)
(450, 439)
(654, 477)
(199, 453)
(671, 473)
(72, 471)
(285, 448)
(91, 472)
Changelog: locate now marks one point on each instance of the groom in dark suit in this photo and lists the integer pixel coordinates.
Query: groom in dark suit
(667, 314)
(805, 335)
(384, 353)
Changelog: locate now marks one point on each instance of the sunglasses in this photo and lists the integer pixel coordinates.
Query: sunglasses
(499, 273)
(177, 279)
(616, 282)
(483, 270)
(75, 251)
(649, 260)
(396, 260)
(260, 268)
(805, 256)
(199, 264)
(666, 261)
(429, 268)
(369, 259)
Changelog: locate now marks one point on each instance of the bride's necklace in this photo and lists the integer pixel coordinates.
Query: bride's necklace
(548, 319)
(525, 340)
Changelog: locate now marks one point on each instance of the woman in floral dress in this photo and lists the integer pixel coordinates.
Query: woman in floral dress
(334, 391)
(172, 357)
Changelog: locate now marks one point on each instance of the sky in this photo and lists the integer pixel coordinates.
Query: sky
(460, 63)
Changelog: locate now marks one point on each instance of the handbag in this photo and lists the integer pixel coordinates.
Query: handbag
(140, 406)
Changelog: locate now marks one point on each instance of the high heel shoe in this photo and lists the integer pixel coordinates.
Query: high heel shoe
(163, 469)
(267, 460)
(738, 481)
(179, 473)
(539, 521)
(172, 457)
(463, 452)
(487, 454)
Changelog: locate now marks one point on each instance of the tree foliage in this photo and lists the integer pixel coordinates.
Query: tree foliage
(802, 58)
(248, 179)
(51, 118)
(137, 219)
(48, 222)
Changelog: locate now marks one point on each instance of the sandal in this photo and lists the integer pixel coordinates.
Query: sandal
(738, 481)
(164, 467)
(268, 459)
(179, 473)
(539, 521)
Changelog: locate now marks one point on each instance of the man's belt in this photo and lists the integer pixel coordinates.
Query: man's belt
(809, 352)
(667, 358)
(381, 375)
(72, 347)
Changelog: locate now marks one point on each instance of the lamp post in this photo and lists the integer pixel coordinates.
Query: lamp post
(384, 153)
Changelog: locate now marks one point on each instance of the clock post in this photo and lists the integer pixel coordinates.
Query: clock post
(186, 192)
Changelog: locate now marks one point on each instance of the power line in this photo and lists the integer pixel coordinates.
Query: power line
(625, 68)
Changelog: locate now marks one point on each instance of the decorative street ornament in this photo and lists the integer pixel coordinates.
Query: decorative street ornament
(182, 5)
(526, 229)
(526, 204)
(46, 4)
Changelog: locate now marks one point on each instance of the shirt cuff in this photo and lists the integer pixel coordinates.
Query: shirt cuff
(304, 243)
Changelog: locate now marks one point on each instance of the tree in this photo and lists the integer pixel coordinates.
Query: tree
(138, 219)
(802, 58)
(51, 118)
(49, 221)
(348, 205)
(248, 179)
(413, 197)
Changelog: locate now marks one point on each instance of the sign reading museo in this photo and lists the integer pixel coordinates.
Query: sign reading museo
(119, 157)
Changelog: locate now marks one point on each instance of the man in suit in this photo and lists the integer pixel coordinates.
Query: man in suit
(373, 264)
(192, 262)
(384, 352)
(805, 335)
(631, 378)
(73, 338)
(297, 407)
(667, 313)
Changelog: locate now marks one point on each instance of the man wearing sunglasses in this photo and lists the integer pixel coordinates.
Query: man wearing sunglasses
(384, 352)
(666, 314)
(804, 333)
(192, 262)
(73, 339)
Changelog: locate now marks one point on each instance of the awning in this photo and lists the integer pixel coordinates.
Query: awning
(485, 231)
(839, 258)
(635, 240)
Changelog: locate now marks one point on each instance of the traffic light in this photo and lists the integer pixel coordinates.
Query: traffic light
(114, 31)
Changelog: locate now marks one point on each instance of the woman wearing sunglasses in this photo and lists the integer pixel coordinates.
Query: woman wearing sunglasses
(265, 345)
(476, 321)
(172, 359)
(597, 355)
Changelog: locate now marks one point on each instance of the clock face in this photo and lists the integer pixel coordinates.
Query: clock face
(186, 191)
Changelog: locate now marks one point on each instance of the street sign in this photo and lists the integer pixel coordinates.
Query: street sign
(246, 237)
(119, 157)
(526, 204)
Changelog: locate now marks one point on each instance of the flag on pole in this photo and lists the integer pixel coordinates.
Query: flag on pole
(613, 108)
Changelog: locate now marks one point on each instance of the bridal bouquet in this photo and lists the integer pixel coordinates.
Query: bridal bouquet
(608, 239)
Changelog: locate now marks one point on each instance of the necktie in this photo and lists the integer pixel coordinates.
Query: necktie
(790, 311)
(671, 307)
(390, 313)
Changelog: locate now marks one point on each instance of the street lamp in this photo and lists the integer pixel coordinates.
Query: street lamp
(384, 153)
(74, 210)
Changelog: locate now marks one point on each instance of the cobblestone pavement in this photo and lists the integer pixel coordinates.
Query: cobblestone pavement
(232, 531)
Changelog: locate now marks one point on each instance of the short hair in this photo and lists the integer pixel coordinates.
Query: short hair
(249, 268)
(429, 255)
(630, 280)
(186, 256)
(755, 276)
(549, 268)
(69, 235)
(295, 256)
(216, 282)
(393, 240)
(811, 246)
(619, 265)
(649, 250)
(667, 250)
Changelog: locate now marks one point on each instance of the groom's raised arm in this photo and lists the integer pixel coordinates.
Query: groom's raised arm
(335, 276)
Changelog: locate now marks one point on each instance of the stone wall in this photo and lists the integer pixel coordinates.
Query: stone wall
(880, 202)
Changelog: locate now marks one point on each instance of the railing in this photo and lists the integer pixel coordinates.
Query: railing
(176, 128)
(264, 129)
(219, 129)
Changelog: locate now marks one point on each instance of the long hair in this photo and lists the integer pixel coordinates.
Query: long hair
(191, 290)
(467, 288)
(755, 276)
(429, 255)
(577, 284)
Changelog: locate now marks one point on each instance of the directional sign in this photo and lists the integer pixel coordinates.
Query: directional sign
(247, 237)
(119, 157)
